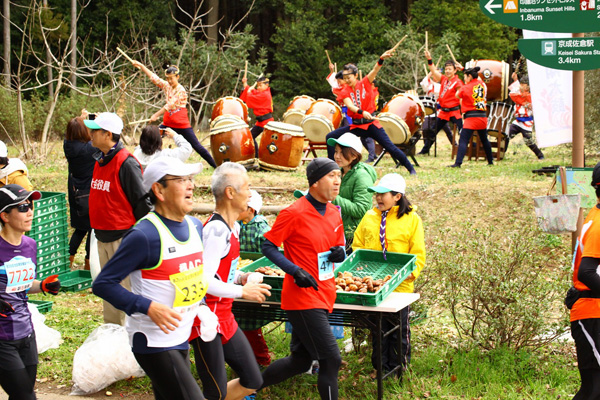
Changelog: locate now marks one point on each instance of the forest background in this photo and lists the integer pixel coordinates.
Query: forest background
(60, 55)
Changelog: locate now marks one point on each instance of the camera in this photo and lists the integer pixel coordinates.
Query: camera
(91, 116)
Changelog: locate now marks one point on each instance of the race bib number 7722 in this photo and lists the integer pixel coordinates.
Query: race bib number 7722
(20, 273)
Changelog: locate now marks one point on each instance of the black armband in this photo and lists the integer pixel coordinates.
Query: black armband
(359, 111)
(380, 62)
(430, 62)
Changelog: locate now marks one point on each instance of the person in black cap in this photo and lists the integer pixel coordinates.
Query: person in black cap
(585, 311)
(312, 235)
(18, 258)
(473, 105)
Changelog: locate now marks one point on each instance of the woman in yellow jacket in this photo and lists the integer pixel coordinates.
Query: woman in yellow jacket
(393, 225)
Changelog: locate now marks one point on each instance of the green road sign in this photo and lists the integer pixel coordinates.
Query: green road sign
(568, 16)
(572, 54)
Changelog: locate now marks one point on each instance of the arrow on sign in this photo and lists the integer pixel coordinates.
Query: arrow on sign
(489, 6)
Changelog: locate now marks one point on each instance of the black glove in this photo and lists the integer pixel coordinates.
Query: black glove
(304, 279)
(338, 254)
(51, 285)
(5, 308)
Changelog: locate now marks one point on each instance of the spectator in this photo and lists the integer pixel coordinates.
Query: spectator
(151, 143)
(13, 170)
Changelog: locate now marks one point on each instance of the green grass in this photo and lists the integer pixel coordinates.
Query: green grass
(444, 365)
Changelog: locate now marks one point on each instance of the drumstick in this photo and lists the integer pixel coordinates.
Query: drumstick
(398, 44)
(328, 59)
(451, 54)
(140, 121)
(125, 55)
(438, 62)
(360, 75)
(426, 70)
(246, 70)
(426, 42)
(335, 68)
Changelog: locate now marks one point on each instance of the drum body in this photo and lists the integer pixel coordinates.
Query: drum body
(296, 110)
(322, 117)
(232, 141)
(280, 147)
(401, 117)
(499, 117)
(229, 106)
(496, 75)
(428, 103)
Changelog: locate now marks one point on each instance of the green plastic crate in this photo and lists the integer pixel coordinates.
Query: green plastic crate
(53, 244)
(47, 225)
(58, 260)
(47, 258)
(371, 263)
(42, 306)
(276, 282)
(275, 295)
(50, 201)
(59, 229)
(75, 281)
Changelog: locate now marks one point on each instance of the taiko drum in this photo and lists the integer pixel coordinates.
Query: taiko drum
(496, 75)
(280, 147)
(321, 118)
(296, 110)
(230, 106)
(401, 117)
(231, 140)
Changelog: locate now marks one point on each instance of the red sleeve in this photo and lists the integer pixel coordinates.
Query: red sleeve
(282, 228)
(260, 101)
(244, 94)
(521, 98)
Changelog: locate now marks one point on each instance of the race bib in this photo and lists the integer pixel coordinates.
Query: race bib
(20, 273)
(234, 267)
(190, 289)
(325, 267)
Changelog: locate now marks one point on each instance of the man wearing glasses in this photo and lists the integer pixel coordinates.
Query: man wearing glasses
(163, 256)
(116, 194)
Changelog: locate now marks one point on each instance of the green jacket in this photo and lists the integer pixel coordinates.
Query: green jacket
(354, 199)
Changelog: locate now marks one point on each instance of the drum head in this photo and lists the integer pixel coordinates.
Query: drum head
(282, 127)
(226, 120)
(294, 116)
(316, 127)
(395, 127)
(428, 104)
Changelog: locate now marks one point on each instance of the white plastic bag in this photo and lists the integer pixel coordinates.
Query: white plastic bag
(45, 337)
(94, 258)
(104, 358)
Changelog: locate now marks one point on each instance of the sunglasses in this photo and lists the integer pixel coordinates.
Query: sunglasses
(23, 208)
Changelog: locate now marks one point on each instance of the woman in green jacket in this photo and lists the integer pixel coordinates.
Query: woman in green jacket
(354, 200)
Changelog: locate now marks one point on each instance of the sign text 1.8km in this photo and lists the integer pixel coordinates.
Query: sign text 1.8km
(571, 54)
(568, 16)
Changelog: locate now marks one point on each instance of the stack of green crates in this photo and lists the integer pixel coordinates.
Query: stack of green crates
(51, 233)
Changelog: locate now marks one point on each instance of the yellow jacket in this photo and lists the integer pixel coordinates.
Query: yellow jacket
(404, 235)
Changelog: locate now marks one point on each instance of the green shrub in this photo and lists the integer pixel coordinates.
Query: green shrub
(503, 287)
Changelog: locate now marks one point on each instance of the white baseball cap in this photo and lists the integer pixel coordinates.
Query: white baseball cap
(347, 140)
(161, 166)
(108, 121)
(255, 201)
(390, 183)
(3, 149)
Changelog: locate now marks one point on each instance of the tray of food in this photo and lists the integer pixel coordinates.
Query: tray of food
(365, 278)
(273, 275)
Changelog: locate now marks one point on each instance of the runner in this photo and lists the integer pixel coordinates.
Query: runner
(312, 235)
(230, 187)
(359, 97)
(18, 349)
(174, 112)
(585, 306)
(163, 255)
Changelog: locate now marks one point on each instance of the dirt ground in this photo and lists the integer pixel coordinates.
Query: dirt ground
(49, 391)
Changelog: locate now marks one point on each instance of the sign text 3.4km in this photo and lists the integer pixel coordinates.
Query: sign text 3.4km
(568, 16)
(571, 54)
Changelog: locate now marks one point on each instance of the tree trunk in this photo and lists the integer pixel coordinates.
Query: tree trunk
(212, 30)
(46, 129)
(49, 62)
(6, 41)
(73, 77)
